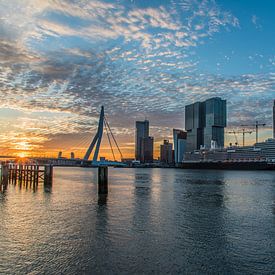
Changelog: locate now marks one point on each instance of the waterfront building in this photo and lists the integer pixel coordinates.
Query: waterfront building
(142, 131)
(179, 137)
(274, 119)
(147, 149)
(259, 151)
(205, 122)
(166, 152)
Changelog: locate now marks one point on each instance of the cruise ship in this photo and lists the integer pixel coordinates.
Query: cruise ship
(260, 156)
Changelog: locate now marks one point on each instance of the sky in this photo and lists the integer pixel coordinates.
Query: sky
(61, 60)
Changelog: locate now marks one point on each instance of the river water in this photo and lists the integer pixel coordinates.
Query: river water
(152, 221)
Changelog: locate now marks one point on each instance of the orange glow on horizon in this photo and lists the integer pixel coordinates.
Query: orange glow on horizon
(23, 146)
(22, 155)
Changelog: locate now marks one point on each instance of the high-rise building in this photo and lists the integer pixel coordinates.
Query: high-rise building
(142, 131)
(274, 119)
(205, 122)
(179, 137)
(194, 123)
(147, 149)
(215, 121)
(166, 152)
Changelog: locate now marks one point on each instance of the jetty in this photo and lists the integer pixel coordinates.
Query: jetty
(25, 174)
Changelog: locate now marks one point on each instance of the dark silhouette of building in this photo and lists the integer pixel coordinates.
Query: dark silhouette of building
(144, 150)
(142, 131)
(205, 122)
(166, 152)
(147, 149)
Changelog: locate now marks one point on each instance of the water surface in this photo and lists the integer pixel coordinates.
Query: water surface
(152, 221)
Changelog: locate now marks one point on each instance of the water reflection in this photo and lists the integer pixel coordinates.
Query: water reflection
(152, 221)
(3, 188)
(3, 194)
(102, 199)
(48, 188)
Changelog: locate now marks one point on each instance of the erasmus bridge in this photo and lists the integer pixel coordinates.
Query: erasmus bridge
(91, 156)
(95, 144)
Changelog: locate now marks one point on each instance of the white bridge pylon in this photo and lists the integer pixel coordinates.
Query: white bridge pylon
(98, 137)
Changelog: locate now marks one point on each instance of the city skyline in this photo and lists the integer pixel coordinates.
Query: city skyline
(60, 61)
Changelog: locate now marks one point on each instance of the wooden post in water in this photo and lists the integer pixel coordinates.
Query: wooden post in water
(5, 175)
(48, 175)
(14, 174)
(10, 173)
(20, 174)
(36, 175)
(102, 180)
(27, 175)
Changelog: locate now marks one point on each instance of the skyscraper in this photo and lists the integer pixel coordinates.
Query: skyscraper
(205, 122)
(179, 137)
(147, 149)
(166, 152)
(142, 131)
(274, 119)
(215, 121)
(194, 123)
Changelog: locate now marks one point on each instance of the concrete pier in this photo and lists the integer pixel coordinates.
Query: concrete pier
(48, 175)
(102, 180)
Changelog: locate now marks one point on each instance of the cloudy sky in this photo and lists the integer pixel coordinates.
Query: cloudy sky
(61, 60)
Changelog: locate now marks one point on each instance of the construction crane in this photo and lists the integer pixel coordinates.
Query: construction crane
(256, 125)
(243, 132)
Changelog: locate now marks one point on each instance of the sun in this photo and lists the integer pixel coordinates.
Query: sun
(22, 155)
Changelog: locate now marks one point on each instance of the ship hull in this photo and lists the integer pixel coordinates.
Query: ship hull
(228, 165)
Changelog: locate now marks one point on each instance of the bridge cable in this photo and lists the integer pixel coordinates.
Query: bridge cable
(82, 142)
(109, 140)
(113, 137)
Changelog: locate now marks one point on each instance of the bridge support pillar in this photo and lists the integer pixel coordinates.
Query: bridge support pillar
(102, 180)
(48, 175)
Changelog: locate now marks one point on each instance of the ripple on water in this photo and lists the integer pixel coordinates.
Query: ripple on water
(152, 221)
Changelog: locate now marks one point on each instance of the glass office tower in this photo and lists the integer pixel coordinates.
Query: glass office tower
(205, 122)
(194, 124)
(179, 137)
(215, 121)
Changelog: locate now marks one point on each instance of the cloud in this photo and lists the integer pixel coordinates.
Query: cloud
(255, 21)
(67, 58)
